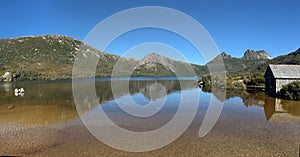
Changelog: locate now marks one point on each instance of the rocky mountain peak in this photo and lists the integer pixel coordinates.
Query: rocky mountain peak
(152, 57)
(256, 55)
(156, 58)
(224, 55)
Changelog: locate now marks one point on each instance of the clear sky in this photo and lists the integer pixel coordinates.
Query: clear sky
(235, 25)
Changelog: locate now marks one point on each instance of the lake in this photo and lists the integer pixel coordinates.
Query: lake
(45, 122)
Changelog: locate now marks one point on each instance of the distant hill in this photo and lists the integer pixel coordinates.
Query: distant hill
(50, 57)
(46, 57)
(291, 58)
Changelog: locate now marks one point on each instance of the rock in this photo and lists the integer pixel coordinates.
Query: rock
(224, 55)
(11, 107)
(17, 94)
(15, 76)
(200, 82)
(7, 76)
(10, 76)
(21, 90)
(21, 94)
(237, 84)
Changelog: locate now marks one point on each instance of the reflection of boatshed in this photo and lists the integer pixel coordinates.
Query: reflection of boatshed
(275, 112)
(278, 75)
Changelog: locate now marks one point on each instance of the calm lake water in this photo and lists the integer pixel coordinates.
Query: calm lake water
(44, 121)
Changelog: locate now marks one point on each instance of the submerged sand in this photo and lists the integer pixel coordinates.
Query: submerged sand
(230, 137)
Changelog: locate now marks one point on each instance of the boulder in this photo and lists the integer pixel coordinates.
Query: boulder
(9, 76)
(15, 76)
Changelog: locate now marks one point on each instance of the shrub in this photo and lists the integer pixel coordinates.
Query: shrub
(206, 79)
(291, 91)
(255, 80)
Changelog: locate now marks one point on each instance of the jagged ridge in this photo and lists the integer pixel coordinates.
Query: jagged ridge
(256, 55)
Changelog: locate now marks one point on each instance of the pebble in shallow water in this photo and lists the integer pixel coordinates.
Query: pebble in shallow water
(11, 107)
(19, 92)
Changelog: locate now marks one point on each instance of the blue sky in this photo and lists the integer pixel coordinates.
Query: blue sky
(235, 25)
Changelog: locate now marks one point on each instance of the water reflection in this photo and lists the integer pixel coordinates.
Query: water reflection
(150, 89)
(276, 110)
(52, 102)
(285, 111)
(6, 86)
(44, 103)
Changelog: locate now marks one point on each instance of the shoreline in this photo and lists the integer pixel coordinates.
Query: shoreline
(108, 78)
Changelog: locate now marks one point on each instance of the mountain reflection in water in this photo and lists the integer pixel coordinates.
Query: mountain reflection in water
(45, 121)
(52, 102)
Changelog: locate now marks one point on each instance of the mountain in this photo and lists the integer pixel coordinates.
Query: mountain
(230, 63)
(290, 58)
(297, 52)
(256, 55)
(46, 57)
(247, 71)
(177, 67)
(49, 57)
(249, 59)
